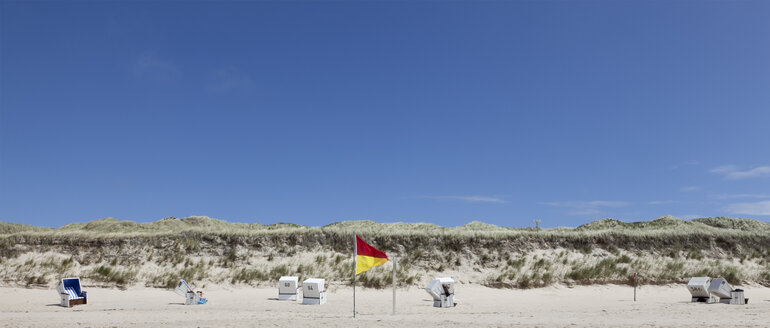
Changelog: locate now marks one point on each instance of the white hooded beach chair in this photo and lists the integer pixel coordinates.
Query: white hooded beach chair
(720, 287)
(287, 288)
(699, 290)
(313, 291)
(443, 292)
(70, 293)
(190, 296)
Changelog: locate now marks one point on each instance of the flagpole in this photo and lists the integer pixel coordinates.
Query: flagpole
(355, 267)
(395, 260)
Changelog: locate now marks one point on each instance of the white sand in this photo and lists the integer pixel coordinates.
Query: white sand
(591, 306)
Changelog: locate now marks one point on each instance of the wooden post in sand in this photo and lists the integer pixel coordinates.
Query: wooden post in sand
(634, 286)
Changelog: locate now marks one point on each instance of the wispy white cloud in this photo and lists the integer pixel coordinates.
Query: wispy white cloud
(734, 196)
(149, 67)
(724, 169)
(595, 203)
(732, 172)
(230, 79)
(470, 199)
(756, 208)
(685, 163)
(663, 202)
(585, 207)
(584, 211)
(689, 188)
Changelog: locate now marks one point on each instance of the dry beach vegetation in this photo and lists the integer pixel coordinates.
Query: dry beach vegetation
(114, 253)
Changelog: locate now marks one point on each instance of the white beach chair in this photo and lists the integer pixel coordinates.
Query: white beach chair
(720, 287)
(443, 292)
(313, 291)
(707, 290)
(699, 290)
(287, 288)
(70, 293)
(190, 296)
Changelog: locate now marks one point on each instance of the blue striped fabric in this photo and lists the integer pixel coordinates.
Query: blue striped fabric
(71, 291)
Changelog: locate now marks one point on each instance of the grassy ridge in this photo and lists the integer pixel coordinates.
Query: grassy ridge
(172, 225)
(121, 253)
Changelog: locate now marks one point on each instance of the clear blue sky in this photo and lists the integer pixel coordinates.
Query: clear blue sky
(312, 112)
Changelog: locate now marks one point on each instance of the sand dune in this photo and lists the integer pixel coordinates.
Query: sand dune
(111, 253)
(235, 262)
(556, 306)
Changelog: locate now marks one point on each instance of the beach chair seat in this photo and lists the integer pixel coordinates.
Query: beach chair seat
(70, 293)
(73, 294)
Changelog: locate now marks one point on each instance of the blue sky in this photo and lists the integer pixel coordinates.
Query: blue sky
(313, 112)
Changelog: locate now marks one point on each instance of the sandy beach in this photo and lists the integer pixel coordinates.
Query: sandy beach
(557, 306)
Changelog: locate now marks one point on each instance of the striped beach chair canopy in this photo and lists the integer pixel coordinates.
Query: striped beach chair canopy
(72, 287)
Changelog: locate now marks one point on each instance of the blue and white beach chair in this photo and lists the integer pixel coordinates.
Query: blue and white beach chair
(190, 296)
(70, 292)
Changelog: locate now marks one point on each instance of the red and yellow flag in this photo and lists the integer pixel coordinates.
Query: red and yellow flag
(367, 256)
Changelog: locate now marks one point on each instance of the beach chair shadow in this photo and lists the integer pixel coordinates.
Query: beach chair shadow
(272, 298)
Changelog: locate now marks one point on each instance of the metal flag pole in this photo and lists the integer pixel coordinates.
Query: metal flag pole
(355, 267)
(395, 260)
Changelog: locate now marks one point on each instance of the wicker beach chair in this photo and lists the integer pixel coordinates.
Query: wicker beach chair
(70, 292)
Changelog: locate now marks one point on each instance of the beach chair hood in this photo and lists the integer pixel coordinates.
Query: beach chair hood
(182, 288)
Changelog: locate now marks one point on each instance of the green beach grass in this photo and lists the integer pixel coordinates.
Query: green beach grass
(110, 252)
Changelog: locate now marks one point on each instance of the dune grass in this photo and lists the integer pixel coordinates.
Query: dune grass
(157, 254)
